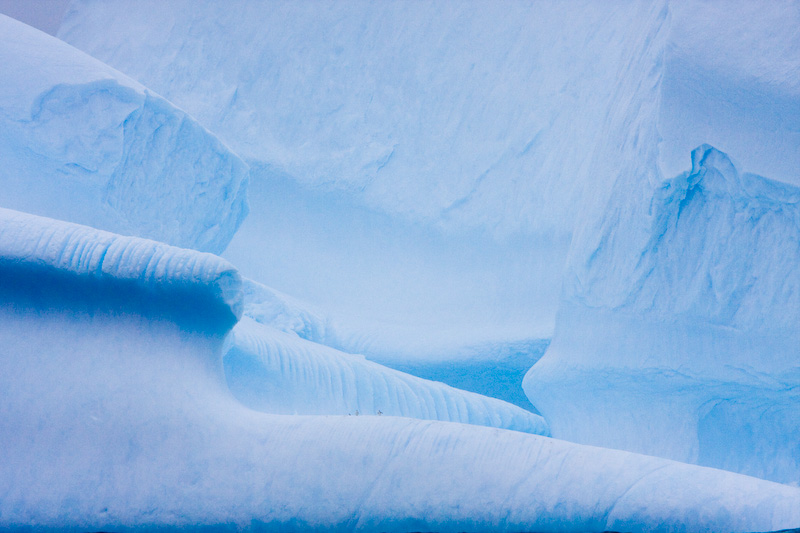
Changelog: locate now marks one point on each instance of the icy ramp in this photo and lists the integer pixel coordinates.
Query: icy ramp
(115, 419)
(277, 372)
(80, 141)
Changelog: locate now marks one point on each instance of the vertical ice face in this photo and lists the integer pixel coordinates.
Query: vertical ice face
(82, 142)
(469, 114)
(478, 123)
(678, 331)
(678, 335)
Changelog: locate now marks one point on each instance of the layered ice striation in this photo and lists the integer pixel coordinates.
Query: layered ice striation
(679, 333)
(80, 141)
(60, 265)
(277, 372)
(115, 418)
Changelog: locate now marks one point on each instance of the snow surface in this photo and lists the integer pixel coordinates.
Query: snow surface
(276, 372)
(114, 419)
(79, 141)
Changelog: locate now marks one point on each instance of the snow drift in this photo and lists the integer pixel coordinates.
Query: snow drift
(116, 417)
(79, 141)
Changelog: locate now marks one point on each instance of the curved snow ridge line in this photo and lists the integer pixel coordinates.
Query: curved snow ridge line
(83, 142)
(277, 372)
(39, 254)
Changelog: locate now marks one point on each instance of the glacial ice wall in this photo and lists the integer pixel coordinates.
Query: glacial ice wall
(677, 331)
(79, 141)
(277, 372)
(117, 419)
(693, 305)
(447, 112)
(420, 166)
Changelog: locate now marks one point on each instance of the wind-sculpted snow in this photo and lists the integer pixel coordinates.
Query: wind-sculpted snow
(679, 334)
(82, 142)
(114, 421)
(490, 369)
(275, 372)
(68, 265)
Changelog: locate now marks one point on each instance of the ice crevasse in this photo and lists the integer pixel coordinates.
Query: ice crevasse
(125, 398)
(80, 141)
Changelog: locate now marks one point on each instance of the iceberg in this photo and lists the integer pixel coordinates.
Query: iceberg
(691, 303)
(80, 141)
(417, 169)
(116, 417)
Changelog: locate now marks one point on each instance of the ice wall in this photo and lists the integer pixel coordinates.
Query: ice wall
(480, 114)
(116, 417)
(677, 333)
(277, 372)
(79, 141)
(684, 322)
(436, 154)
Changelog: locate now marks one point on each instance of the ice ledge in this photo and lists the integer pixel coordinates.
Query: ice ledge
(47, 263)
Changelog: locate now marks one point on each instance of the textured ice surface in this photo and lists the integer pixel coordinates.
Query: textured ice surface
(79, 141)
(506, 119)
(113, 419)
(679, 333)
(44, 260)
(473, 128)
(277, 372)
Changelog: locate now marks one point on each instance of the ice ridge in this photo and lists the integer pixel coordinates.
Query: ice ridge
(43, 260)
(276, 372)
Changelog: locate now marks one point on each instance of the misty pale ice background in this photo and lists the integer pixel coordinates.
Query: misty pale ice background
(445, 266)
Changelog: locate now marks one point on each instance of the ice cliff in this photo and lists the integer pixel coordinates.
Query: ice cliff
(116, 417)
(694, 304)
(419, 166)
(79, 141)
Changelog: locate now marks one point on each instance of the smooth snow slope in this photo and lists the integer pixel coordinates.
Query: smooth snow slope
(115, 417)
(277, 372)
(82, 142)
